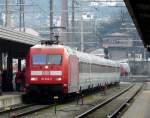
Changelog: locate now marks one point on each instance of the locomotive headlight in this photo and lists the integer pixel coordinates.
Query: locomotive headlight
(65, 85)
(34, 78)
(46, 67)
(58, 79)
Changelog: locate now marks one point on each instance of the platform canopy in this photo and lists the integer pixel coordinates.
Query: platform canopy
(140, 13)
(16, 43)
(20, 37)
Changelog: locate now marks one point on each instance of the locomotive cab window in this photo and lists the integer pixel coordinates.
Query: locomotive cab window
(38, 59)
(54, 59)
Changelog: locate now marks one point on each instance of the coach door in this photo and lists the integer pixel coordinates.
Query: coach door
(73, 74)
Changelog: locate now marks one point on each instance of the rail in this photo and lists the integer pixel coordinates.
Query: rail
(114, 114)
(83, 115)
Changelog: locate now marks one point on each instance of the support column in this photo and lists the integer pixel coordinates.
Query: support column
(0, 73)
(9, 64)
(19, 64)
(9, 73)
(1, 62)
(4, 60)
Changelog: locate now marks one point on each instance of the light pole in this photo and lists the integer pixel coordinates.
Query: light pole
(51, 19)
(133, 56)
(82, 37)
(64, 20)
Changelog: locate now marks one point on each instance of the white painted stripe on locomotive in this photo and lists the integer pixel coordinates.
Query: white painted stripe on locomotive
(36, 72)
(58, 73)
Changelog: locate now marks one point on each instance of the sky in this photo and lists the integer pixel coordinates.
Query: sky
(105, 2)
(39, 13)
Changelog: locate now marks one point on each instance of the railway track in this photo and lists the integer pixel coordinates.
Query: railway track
(45, 107)
(22, 110)
(25, 110)
(13, 108)
(112, 106)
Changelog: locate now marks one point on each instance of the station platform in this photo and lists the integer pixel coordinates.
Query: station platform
(10, 98)
(141, 106)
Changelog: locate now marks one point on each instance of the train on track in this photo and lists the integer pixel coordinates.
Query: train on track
(124, 70)
(58, 69)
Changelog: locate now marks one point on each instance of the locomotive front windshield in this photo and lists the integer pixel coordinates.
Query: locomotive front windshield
(40, 59)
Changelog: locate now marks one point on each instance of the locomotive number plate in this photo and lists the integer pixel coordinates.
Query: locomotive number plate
(45, 73)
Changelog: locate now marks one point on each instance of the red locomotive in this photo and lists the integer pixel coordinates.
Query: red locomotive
(58, 69)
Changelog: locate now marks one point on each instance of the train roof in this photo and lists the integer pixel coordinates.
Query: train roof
(83, 57)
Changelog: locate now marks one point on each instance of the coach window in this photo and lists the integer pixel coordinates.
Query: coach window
(84, 67)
